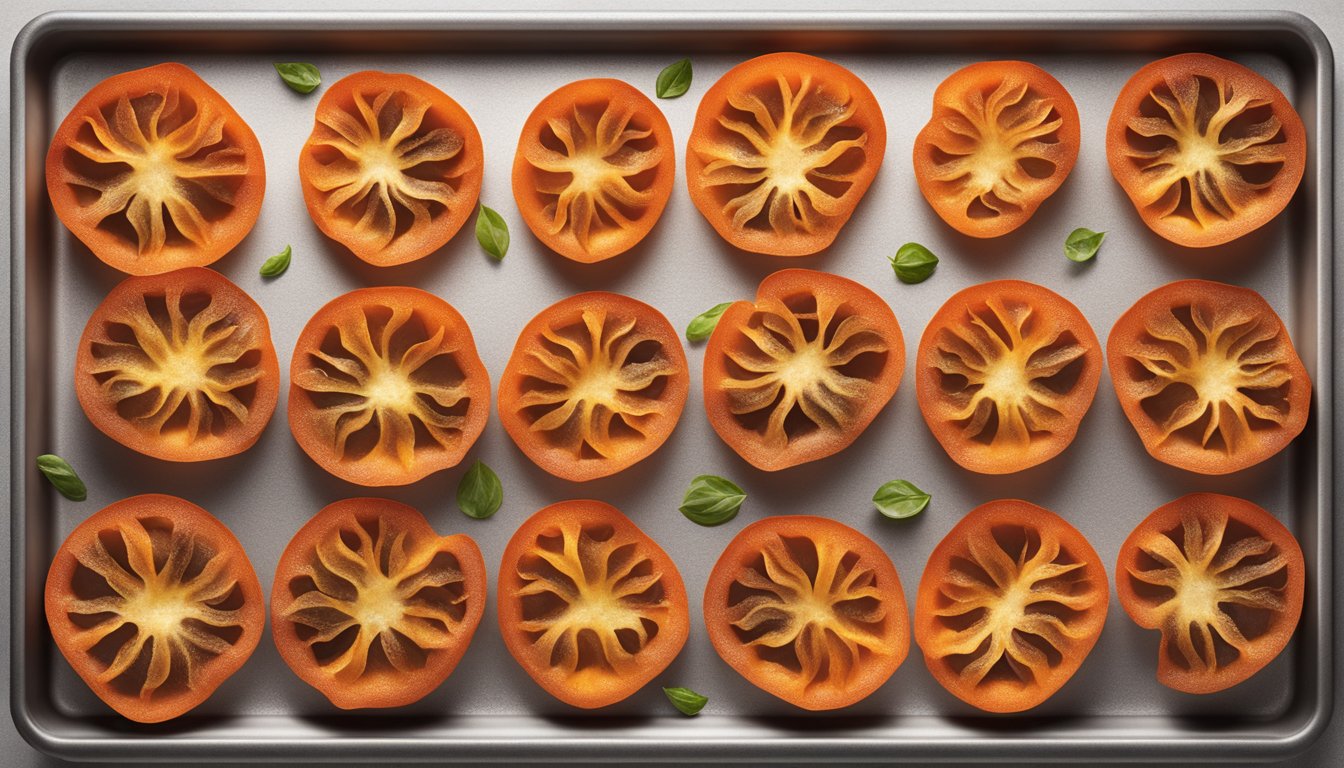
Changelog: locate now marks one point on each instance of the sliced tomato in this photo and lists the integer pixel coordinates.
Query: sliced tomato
(595, 384)
(154, 603)
(1010, 604)
(178, 366)
(1221, 579)
(386, 387)
(594, 169)
(590, 606)
(1208, 376)
(373, 608)
(147, 143)
(807, 609)
(1006, 371)
(1206, 149)
(799, 374)
(783, 148)
(1002, 138)
(393, 167)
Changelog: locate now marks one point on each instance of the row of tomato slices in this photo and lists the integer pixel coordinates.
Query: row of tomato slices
(155, 604)
(154, 171)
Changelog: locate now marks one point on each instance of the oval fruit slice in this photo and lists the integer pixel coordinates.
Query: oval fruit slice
(154, 171)
(809, 610)
(783, 148)
(589, 605)
(595, 384)
(386, 387)
(393, 167)
(594, 169)
(154, 603)
(1207, 375)
(373, 608)
(799, 374)
(1003, 136)
(1010, 604)
(178, 366)
(1006, 372)
(1221, 579)
(1206, 149)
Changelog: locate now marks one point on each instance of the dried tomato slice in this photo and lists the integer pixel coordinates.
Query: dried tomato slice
(373, 608)
(1006, 371)
(1221, 579)
(178, 366)
(595, 384)
(154, 603)
(589, 605)
(594, 169)
(1206, 149)
(1003, 137)
(393, 167)
(799, 374)
(807, 609)
(154, 141)
(783, 148)
(386, 387)
(1208, 376)
(1010, 604)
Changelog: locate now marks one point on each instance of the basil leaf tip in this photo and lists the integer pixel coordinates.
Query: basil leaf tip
(479, 494)
(492, 232)
(301, 77)
(913, 263)
(703, 324)
(277, 264)
(900, 499)
(712, 500)
(686, 701)
(674, 80)
(62, 476)
(1082, 244)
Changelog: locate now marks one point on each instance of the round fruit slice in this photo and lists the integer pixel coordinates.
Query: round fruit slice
(386, 387)
(809, 610)
(178, 366)
(154, 603)
(373, 608)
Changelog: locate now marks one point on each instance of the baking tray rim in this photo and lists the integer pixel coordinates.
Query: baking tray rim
(41, 31)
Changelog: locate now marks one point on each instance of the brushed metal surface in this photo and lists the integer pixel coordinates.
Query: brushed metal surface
(498, 66)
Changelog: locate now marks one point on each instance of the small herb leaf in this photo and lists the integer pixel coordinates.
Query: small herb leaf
(686, 701)
(703, 324)
(480, 493)
(1082, 244)
(913, 263)
(674, 80)
(277, 264)
(492, 233)
(60, 474)
(712, 500)
(300, 76)
(900, 498)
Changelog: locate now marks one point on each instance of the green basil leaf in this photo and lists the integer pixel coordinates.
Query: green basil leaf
(277, 264)
(480, 493)
(299, 76)
(900, 498)
(686, 701)
(1082, 244)
(60, 474)
(703, 324)
(492, 233)
(674, 80)
(913, 263)
(712, 500)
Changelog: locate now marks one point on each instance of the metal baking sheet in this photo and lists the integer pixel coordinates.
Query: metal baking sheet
(498, 66)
